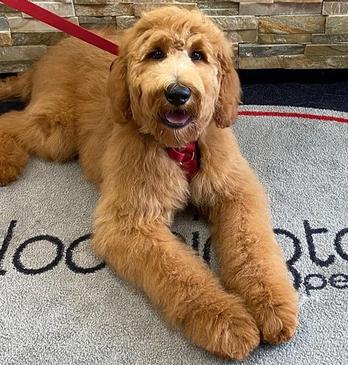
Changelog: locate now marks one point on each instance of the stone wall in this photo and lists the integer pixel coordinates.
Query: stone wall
(291, 34)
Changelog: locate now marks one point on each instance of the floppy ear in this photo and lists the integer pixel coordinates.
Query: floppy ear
(226, 109)
(117, 90)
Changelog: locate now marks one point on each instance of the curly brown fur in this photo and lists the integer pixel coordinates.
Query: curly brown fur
(112, 121)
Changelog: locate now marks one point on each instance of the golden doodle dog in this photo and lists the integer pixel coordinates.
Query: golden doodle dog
(172, 84)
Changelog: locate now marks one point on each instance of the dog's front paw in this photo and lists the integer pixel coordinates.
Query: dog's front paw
(278, 321)
(12, 159)
(225, 329)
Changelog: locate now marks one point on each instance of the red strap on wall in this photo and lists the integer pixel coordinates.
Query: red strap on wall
(62, 24)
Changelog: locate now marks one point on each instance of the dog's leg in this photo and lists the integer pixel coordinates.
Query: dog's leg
(44, 129)
(178, 283)
(251, 261)
(13, 157)
(132, 236)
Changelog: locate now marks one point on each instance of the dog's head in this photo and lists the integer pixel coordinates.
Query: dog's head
(174, 76)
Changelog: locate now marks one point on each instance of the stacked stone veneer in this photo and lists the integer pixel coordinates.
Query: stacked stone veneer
(267, 33)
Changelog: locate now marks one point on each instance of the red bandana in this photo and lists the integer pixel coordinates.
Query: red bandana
(187, 158)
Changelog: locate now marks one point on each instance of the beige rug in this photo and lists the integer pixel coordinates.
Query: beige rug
(59, 305)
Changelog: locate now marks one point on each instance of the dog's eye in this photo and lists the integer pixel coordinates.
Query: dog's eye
(197, 56)
(157, 54)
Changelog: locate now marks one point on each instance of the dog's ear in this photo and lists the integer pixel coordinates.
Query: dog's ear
(226, 109)
(117, 89)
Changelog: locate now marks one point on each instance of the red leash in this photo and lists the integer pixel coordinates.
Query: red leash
(62, 24)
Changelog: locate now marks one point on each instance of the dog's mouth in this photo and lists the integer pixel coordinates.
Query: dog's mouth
(176, 119)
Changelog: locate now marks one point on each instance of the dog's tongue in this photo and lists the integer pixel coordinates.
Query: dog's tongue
(178, 117)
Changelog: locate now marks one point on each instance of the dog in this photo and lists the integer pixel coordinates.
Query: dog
(172, 91)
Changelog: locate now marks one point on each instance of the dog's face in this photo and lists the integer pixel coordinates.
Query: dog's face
(174, 76)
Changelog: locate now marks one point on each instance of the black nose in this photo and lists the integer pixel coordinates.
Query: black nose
(177, 94)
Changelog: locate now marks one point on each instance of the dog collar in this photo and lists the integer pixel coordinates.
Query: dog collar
(187, 158)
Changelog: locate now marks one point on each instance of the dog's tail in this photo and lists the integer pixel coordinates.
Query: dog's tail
(17, 87)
